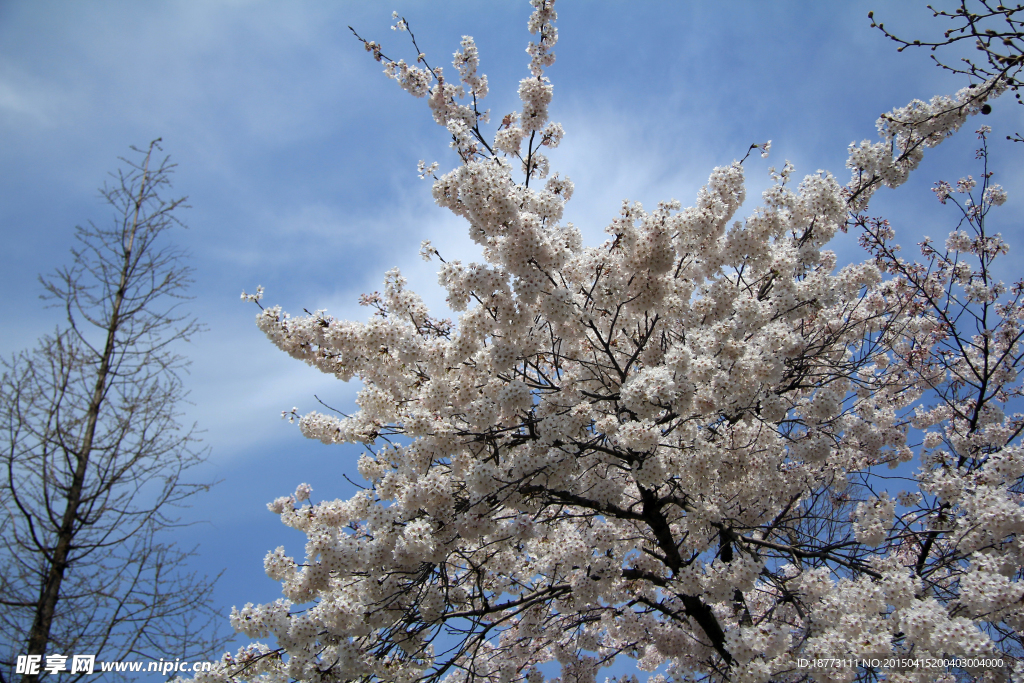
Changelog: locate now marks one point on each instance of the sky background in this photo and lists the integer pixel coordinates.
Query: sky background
(299, 156)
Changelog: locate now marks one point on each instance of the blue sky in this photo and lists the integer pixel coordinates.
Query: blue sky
(299, 160)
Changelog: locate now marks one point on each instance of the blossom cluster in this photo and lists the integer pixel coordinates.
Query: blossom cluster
(905, 132)
(667, 447)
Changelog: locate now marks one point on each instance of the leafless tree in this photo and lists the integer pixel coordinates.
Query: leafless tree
(94, 456)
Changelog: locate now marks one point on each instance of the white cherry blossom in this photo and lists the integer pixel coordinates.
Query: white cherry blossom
(673, 446)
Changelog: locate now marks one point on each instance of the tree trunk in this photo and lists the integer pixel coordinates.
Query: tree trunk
(49, 592)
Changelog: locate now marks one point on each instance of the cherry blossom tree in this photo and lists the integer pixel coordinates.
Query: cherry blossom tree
(699, 445)
(997, 31)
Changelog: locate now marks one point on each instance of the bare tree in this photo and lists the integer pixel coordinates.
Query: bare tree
(93, 453)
